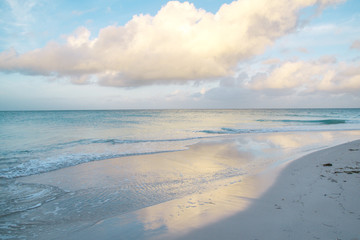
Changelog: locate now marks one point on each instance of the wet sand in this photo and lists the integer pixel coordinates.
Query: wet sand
(176, 197)
(316, 197)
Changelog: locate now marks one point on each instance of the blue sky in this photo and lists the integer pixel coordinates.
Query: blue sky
(160, 54)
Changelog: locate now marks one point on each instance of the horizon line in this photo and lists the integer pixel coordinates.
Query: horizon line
(159, 109)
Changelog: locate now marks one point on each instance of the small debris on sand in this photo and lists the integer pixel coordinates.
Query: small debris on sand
(353, 149)
(327, 165)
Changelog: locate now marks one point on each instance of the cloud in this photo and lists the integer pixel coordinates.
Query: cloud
(323, 75)
(82, 12)
(271, 61)
(355, 45)
(178, 44)
(16, 18)
(21, 10)
(234, 81)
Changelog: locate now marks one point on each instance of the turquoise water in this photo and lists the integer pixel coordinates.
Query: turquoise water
(34, 142)
(222, 148)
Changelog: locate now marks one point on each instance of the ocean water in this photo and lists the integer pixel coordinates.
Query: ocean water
(34, 142)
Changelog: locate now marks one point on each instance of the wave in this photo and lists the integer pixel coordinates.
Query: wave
(43, 158)
(119, 141)
(82, 142)
(19, 163)
(322, 121)
(36, 166)
(237, 131)
(284, 129)
(19, 197)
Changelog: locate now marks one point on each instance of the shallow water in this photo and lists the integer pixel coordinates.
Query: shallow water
(69, 199)
(173, 154)
(40, 141)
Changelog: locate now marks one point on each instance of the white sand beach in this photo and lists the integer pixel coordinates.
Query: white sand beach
(302, 199)
(180, 120)
(315, 197)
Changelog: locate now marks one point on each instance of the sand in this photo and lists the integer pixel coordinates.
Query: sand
(314, 197)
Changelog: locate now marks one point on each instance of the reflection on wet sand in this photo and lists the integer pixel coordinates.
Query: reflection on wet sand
(166, 195)
(178, 216)
(182, 215)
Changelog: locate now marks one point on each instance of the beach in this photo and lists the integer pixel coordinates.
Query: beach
(315, 197)
(309, 200)
(180, 120)
(187, 174)
(165, 120)
(301, 199)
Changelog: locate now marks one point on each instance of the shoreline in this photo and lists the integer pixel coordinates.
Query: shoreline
(308, 200)
(302, 203)
(315, 197)
(185, 217)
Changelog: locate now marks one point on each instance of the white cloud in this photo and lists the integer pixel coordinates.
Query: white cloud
(21, 10)
(324, 75)
(178, 44)
(80, 38)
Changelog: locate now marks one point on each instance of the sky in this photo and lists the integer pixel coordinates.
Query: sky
(137, 54)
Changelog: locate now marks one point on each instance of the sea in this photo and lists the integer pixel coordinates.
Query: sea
(39, 142)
